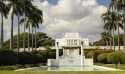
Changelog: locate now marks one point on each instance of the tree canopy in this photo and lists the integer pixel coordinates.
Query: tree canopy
(42, 40)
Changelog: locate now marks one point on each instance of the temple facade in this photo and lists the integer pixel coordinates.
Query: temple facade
(73, 51)
(72, 39)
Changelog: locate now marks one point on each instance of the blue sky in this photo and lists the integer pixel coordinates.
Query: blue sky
(102, 2)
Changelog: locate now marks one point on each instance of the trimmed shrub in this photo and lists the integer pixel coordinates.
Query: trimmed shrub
(37, 58)
(93, 54)
(90, 54)
(114, 57)
(44, 56)
(8, 57)
(52, 55)
(123, 59)
(102, 58)
(9, 67)
(25, 58)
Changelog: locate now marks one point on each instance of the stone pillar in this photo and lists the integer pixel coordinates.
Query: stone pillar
(82, 55)
(57, 53)
(64, 52)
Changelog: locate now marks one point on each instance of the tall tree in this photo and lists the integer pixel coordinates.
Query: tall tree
(13, 4)
(119, 5)
(116, 6)
(4, 12)
(27, 7)
(111, 19)
(105, 17)
(106, 37)
(39, 16)
(33, 19)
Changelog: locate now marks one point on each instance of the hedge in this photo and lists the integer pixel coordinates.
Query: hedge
(114, 57)
(8, 57)
(102, 58)
(123, 59)
(25, 58)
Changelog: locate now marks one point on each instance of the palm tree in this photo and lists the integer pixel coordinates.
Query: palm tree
(119, 25)
(105, 37)
(105, 17)
(14, 4)
(111, 19)
(34, 17)
(19, 13)
(4, 12)
(27, 7)
(39, 16)
(32, 39)
(35, 40)
(119, 5)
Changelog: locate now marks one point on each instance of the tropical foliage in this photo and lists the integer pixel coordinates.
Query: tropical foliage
(27, 14)
(42, 41)
(102, 42)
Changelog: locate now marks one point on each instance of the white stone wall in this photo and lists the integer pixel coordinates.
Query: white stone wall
(70, 62)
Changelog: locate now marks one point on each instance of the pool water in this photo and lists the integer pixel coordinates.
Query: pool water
(70, 68)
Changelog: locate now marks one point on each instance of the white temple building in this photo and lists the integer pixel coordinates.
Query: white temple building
(73, 52)
(72, 39)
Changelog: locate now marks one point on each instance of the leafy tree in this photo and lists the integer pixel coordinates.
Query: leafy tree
(42, 38)
(101, 42)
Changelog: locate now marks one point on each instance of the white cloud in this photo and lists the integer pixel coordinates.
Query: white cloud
(68, 16)
(73, 15)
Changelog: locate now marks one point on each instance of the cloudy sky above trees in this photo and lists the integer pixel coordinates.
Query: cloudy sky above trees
(62, 16)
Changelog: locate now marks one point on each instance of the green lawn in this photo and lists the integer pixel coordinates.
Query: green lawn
(119, 66)
(62, 72)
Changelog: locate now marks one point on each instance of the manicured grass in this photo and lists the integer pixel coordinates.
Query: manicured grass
(62, 72)
(119, 66)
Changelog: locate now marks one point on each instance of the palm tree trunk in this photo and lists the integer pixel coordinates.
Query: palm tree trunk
(110, 40)
(32, 39)
(111, 43)
(1, 39)
(124, 32)
(113, 40)
(24, 39)
(29, 39)
(18, 34)
(35, 39)
(107, 44)
(11, 35)
(124, 37)
(118, 40)
(24, 34)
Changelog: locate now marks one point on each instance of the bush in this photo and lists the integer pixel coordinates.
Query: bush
(102, 58)
(37, 58)
(123, 59)
(90, 54)
(52, 55)
(44, 56)
(8, 57)
(25, 58)
(93, 54)
(114, 57)
(9, 67)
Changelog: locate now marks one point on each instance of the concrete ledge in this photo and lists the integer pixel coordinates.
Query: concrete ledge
(99, 68)
(107, 68)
